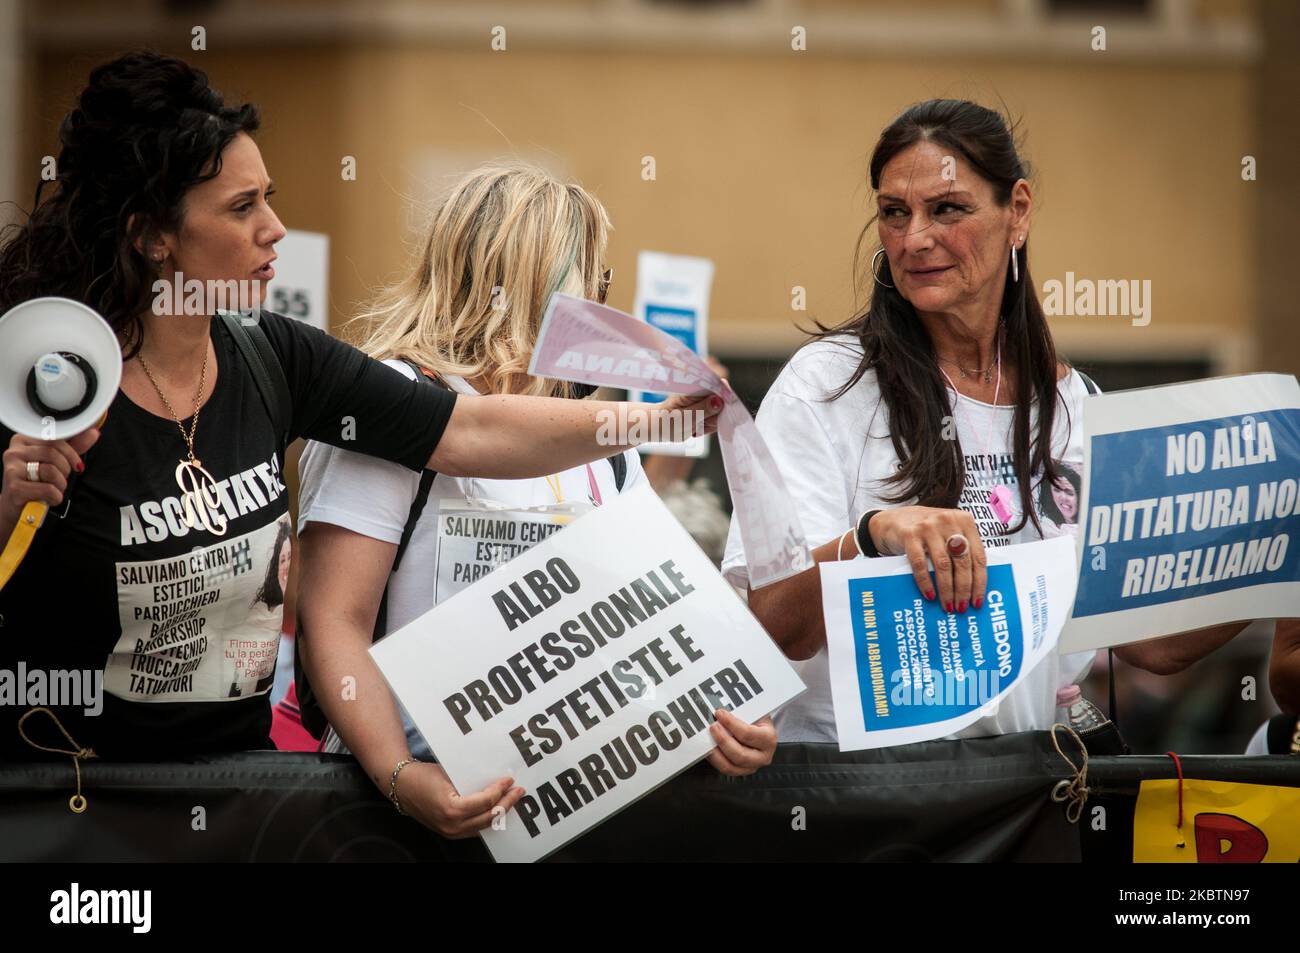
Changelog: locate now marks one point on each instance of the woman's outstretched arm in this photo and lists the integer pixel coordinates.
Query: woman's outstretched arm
(508, 437)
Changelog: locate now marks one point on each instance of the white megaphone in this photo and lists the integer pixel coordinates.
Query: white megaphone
(60, 368)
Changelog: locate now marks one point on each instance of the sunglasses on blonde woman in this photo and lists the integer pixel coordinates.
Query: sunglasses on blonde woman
(602, 286)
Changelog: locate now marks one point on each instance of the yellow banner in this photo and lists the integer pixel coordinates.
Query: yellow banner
(1224, 822)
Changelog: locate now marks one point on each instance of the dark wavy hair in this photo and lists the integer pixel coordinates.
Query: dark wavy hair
(897, 347)
(271, 592)
(145, 130)
(1048, 502)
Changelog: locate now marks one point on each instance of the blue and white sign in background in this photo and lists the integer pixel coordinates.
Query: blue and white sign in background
(903, 670)
(672, 294)
(1190, 513)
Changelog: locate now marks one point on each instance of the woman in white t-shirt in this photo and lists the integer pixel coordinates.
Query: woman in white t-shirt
(502, 241)
(925, 425)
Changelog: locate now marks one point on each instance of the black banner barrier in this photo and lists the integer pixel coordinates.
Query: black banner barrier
(1114, 784)
(981, 799)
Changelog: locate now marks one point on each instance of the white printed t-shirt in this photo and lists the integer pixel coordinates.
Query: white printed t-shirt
(373, 497)
(834, 456)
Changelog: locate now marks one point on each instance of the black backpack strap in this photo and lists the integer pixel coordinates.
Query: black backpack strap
(412, 517)
(313, 716)
(268, 374)
(1088, 382)
(618, 463)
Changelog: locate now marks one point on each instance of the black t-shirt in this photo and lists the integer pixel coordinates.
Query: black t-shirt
(182, 622)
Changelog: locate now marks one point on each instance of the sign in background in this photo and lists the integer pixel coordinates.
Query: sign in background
(672, 294)
(1190, 509)
(588, 669)
(300, 288)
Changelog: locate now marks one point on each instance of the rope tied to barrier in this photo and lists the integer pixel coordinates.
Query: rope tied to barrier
(1073, 790)
(77, 803)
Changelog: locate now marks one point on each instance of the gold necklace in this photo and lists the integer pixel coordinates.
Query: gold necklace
(202, 501)
(987, 372)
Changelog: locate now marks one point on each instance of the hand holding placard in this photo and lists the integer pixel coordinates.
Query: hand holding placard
(586, 671)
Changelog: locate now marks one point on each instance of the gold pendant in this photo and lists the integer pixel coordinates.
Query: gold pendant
(201, 502)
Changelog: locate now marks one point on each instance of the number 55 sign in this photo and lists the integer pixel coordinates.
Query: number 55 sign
(300, 288)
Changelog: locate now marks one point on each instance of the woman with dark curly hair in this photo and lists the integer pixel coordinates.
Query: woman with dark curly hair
(152, 575)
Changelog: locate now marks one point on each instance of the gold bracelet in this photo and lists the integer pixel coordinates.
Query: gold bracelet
(392, 784)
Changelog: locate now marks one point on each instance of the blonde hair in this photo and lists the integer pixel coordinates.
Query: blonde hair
(500, 244)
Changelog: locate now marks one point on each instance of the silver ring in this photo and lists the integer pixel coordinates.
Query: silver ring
(33, 471)
(964, 543)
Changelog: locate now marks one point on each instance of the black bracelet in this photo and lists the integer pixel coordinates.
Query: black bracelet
(863, 534)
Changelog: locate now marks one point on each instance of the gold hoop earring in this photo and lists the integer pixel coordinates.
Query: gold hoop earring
(875, 258)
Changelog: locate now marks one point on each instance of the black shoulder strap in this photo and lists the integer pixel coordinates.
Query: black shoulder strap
(1088, 382)
(267, 372)
(412, 518)
(413, 515)
(618, 463)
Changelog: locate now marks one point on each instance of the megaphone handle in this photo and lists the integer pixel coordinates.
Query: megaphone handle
(74, 476)
(20, 540)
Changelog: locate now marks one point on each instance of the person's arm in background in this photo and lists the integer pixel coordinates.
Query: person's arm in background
(1171, 654)
(342, 580)
(1284, 666)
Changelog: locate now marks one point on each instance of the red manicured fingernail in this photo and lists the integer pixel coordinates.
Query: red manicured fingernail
(716, 403)
(81, 467)
(961, 607)
(948, 606)
(979, 601)
(929, 594)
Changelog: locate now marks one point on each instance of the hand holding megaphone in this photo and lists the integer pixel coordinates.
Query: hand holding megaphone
(60, 367)
(39, 471)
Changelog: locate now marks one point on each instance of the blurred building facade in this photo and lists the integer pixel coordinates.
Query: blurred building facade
(1167, 157)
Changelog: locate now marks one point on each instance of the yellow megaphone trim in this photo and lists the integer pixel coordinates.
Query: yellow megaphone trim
(20, 540)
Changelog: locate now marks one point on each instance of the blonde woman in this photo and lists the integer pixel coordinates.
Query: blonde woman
(467, 315)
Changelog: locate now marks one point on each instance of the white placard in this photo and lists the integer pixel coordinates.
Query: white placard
(1190, 514)
(300, 288)
(587, 669)
(903, 670)
(672, 294)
